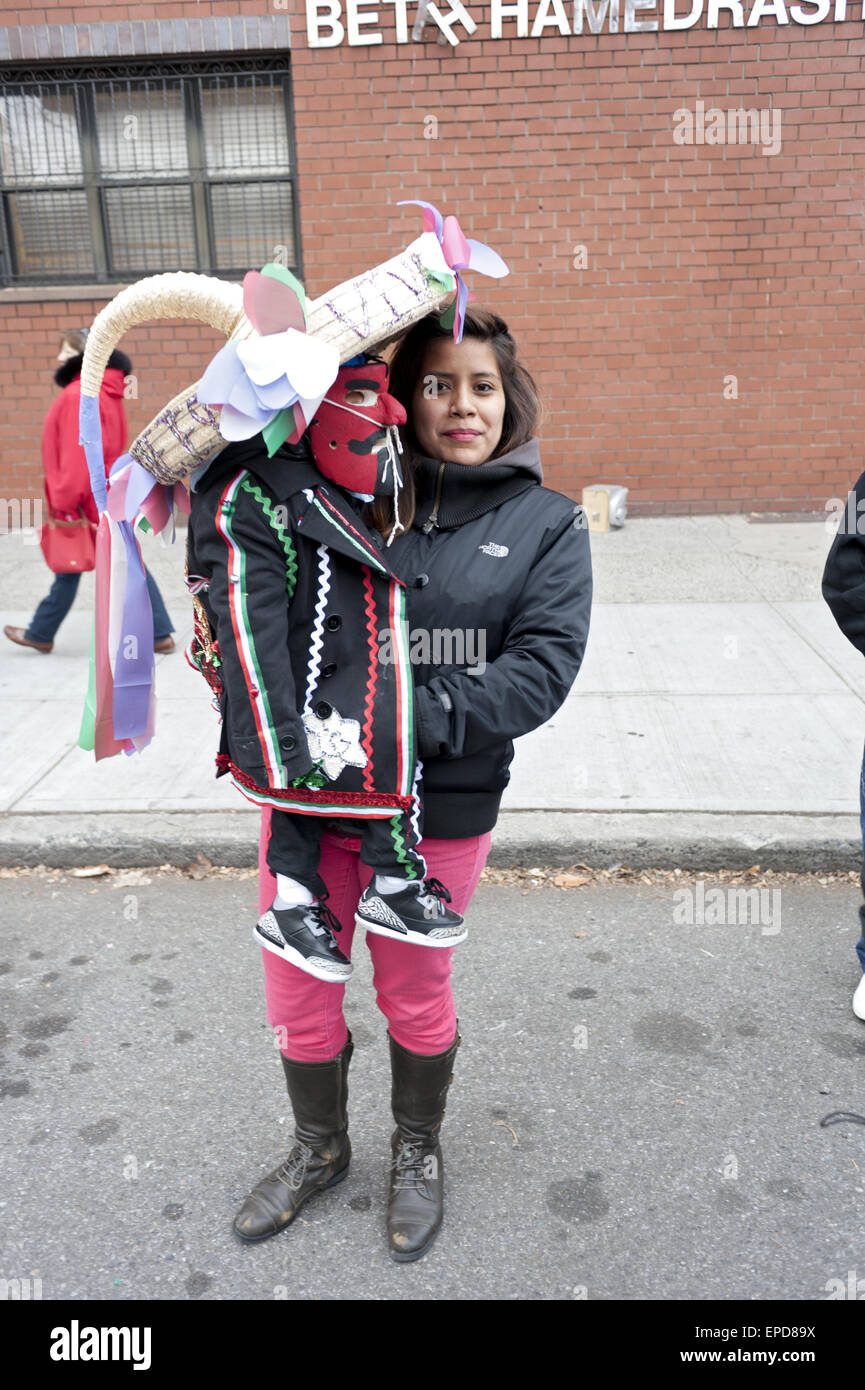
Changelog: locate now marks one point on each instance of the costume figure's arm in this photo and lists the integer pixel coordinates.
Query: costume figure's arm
(463, 712)
(240, 548)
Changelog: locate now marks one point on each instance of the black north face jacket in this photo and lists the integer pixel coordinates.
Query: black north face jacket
(844, 573)
(499, 587)
(291, 592)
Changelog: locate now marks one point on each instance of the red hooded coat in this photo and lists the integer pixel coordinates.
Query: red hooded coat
(67, 481)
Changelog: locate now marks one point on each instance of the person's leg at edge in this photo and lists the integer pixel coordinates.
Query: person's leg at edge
(315, 1049)
(414, 993)
(162, 625)
(53, 608)
(860, 944)
(859, 995)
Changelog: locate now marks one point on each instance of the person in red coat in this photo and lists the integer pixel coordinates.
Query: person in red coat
(67, 485)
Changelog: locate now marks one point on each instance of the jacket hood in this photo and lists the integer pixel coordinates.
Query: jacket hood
(469, 490)
(71, 368)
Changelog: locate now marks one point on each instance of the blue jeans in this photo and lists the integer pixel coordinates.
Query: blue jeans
(61, 596)
(860, 944)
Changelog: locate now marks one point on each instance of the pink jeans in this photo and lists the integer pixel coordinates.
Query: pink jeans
(412, 983)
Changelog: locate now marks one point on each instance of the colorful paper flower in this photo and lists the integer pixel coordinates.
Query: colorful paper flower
(272, 383)
(461, 253)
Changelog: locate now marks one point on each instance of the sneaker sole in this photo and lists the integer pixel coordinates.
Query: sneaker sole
(416, 938)
(294, 957)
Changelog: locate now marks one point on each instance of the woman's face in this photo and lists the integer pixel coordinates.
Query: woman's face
(66, 351)
(458, 404)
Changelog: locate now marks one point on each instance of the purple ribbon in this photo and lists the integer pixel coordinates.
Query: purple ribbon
(133, 663)
(90, 436)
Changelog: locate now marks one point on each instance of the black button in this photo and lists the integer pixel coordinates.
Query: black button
(421, 581)
(334, 623)
(323, 709)
(329, 669)
(288, 743)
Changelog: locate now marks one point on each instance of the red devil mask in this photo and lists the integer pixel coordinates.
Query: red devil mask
(353, 434)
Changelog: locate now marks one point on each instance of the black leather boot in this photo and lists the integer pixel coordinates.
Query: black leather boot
(319, 1098)
(415, 1205)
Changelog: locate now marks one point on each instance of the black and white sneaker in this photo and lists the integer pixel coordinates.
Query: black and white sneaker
(304, 937)
(417, 913)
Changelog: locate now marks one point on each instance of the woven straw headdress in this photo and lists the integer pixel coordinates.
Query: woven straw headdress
(352, 318)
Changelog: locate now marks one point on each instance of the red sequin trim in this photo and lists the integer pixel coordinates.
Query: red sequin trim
(399, 803)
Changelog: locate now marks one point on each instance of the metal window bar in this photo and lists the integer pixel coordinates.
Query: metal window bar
(115, 171)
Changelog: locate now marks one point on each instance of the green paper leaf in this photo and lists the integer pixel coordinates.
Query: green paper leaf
(279, 272)
(444, 279)
(277, 431)
(446, 318)
(87, 732)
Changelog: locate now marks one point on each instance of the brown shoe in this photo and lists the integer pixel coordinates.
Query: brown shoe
(19, 635)
(165, 644)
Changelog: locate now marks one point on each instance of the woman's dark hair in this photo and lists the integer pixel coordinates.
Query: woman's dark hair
(74, 339)
(522, 400)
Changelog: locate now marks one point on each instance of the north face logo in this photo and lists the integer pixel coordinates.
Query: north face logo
(490, 548)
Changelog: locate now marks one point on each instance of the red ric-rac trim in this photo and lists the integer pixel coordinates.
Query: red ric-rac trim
(372, 676)
(361, 539)
(313, 796)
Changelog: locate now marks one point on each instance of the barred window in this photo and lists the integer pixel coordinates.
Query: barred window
(114, 172)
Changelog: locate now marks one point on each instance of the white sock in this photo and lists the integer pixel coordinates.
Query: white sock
(387, 883)
(290, 893)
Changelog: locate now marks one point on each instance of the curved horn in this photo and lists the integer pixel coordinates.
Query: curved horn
(353, 316)
(177, 295)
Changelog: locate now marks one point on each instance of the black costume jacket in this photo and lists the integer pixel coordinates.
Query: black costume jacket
(293, 590)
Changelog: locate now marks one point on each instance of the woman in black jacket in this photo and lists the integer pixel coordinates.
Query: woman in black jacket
(498, 573)
(844, 591)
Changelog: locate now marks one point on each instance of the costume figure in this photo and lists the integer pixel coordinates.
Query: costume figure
(292, 587)
(294, 591)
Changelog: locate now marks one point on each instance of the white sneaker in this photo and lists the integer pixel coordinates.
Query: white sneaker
(859, 999)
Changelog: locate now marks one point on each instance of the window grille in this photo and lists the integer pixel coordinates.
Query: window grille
(109, 173)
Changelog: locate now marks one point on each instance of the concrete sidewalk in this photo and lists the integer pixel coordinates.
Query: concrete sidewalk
(718, 721)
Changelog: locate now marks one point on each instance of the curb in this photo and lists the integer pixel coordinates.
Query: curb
(521, 839)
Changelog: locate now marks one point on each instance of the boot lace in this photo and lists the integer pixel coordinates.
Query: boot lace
(293, 1170)
(409, 1167)
(434, 897)
(327, 920)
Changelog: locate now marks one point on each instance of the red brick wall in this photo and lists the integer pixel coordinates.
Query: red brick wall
(704, 261)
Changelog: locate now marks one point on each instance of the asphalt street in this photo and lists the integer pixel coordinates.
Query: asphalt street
(635, 1112)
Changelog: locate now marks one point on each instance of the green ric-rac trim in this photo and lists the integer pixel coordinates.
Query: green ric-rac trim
(285, 540)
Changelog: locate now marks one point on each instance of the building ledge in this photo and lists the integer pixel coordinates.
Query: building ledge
(43, 294)
(149, 38)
